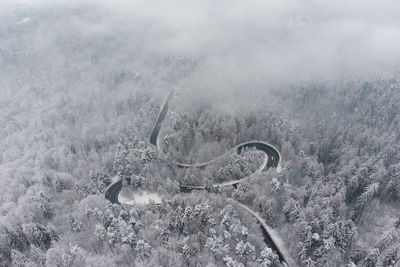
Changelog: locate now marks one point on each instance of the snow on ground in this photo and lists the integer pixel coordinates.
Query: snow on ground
(271, 232)
(114, 179)
(143, 197)
(279, 168)
(24, 20)
(264, 163)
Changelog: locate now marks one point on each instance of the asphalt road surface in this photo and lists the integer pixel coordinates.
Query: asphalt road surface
(274, 158)
(113, 190)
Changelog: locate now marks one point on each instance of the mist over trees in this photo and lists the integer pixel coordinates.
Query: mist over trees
(81, 87)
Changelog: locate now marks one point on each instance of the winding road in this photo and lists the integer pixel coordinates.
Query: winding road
(273, 158)
(113, 190)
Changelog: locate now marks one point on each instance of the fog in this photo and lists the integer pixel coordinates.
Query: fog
(231, 46)
(82, 84)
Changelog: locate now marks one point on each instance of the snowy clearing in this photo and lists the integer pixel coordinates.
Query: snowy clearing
(140, 198)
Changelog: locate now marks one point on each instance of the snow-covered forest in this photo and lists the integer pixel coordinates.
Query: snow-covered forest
(83, 86)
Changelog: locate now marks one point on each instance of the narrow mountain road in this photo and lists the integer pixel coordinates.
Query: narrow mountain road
(273, 159)
(113, 190)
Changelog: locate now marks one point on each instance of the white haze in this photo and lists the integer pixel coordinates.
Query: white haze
(232, 46)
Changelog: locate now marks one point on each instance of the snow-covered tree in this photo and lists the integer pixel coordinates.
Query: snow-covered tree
(230, 262)
(39, 235)
(291, 209)
(365, 199)
(100, 232)
(268, 258)
(76, 226)
(245, 250)
(217, 245)
(372, 258)
(143, 250)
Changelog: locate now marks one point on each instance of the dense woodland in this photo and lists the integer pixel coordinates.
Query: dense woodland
(69, 127)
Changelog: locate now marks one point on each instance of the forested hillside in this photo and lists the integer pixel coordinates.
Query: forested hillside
(82, 87)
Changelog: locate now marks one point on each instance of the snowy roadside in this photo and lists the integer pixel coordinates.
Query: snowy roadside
(143, 198)
(113, 181)
(271, 232)
(264, 164)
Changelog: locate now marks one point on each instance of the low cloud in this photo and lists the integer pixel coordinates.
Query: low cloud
(233, 44)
